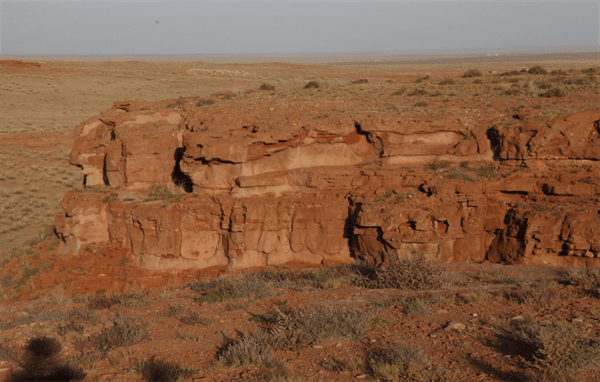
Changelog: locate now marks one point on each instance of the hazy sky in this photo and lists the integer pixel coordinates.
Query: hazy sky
(200, 27)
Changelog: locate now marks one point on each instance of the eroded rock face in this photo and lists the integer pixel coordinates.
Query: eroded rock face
(268, 191)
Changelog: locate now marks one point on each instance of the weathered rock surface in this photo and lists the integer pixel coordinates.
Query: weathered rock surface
(263, 191)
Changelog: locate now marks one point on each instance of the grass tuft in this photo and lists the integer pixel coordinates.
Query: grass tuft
(553, 348)
(393, 362)
(267, 87)
(312, 85)
(538, 69)
(252, 348)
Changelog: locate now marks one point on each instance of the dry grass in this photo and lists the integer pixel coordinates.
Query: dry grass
(410, 271)
(250, 348)
(393, 361)
(552, 348)
(306, 326)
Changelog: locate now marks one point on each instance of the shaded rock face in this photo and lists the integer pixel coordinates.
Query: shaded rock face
(239, 193)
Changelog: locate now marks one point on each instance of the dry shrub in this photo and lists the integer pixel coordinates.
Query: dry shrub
(544, 297)
(312, 324)
(312, 85)
(447, 81)
(417, 92)
(220, 290)
(253, 348)
(392, 362)
(163, 193)
(553, 93)
(103, 302)
(460, 174)
(204, 102)
(267, 87)
(410, 271)
(162, 371)
(553, 348)
(360, 81)
(558, 72)
(588, 279)
(472, 73)
(538, 69)
(417, 306)
(194, 319)
(121, 334)
(286, 279)
(7, 353)
(487, 171)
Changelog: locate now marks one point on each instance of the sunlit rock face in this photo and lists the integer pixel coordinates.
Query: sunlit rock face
(187, 187)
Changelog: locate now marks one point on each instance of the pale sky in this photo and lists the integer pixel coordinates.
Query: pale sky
(202, 27)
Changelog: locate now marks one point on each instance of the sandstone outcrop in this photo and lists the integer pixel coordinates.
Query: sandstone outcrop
(193, 187)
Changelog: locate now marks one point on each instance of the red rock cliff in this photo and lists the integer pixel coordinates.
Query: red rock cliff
(194, 187)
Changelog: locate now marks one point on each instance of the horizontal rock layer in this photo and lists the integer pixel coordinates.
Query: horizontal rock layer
(271, 191)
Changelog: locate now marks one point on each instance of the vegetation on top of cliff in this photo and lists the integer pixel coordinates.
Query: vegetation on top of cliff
(163, 193)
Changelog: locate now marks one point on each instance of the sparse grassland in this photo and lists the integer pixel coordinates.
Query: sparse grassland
(343, 323)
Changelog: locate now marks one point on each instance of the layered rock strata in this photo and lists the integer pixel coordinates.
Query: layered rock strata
(193, 188)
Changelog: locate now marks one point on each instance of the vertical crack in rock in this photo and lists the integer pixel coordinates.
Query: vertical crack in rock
(179, 177)
(495, 143)
(350, 224)
(104, 174)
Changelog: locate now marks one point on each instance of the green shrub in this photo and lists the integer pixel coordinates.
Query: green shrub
(399, 92)
(392, 362)
(421, 104)
(312, 85)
